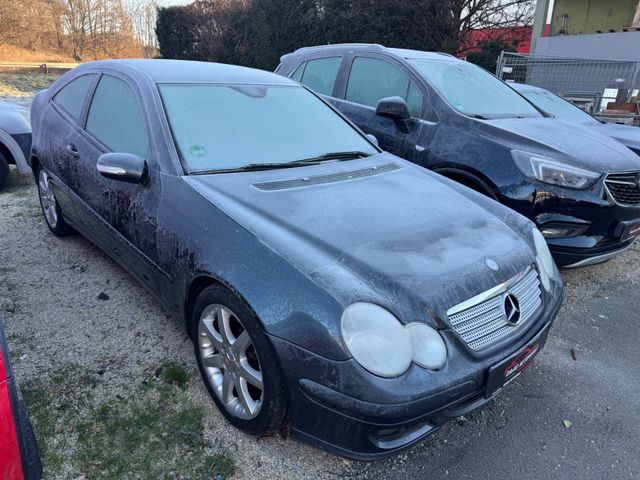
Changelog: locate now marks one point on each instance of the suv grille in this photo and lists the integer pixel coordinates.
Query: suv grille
(624, 188)
(486, 322)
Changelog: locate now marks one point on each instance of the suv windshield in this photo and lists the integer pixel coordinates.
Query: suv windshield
(474, 91)
(243, 127)
(558, 107)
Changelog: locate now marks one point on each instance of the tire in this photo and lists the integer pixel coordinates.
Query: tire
(50, 206)
(33, 463)
(4, 172)
(219, 361)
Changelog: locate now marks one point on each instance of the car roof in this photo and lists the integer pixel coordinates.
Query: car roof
(376, 48)
(168, 71)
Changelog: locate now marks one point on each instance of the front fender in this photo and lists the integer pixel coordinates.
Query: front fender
(16, 152)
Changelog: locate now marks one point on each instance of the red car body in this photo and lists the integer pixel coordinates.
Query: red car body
(19, 457)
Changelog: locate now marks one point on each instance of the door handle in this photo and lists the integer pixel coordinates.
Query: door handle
(73, 150)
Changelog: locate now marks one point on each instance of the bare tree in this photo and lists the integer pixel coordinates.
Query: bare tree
(74, 28)
(469, 15)
(144, 16)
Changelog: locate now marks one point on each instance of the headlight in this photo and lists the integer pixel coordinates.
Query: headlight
(382, 345)
(429, 350)
(544, 260)
(552, 171)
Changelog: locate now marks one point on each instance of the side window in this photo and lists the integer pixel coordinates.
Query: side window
(414, 100)
(297, 75)
(320, 74)
(115, 117)
(72, 96)
(371, 79)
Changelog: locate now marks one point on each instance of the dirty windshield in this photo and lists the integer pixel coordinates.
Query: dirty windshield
(226, 127)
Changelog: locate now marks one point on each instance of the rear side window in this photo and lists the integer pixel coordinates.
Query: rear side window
(372, 79)
(72, 96)
(320, 74)
(115, 117)
(297, 75)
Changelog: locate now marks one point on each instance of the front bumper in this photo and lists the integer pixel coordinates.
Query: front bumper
(338, 406)
(604, 229)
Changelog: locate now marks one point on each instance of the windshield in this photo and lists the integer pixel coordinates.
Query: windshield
(474, 91)
(558, 107)
(218, 127)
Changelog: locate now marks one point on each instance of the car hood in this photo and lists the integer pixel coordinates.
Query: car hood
(627, 135)
(398, 234)
(572, 142)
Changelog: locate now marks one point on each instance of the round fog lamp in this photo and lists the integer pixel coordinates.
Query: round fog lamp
(429, 350)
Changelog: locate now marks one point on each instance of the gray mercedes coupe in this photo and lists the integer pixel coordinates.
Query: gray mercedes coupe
(329, 287)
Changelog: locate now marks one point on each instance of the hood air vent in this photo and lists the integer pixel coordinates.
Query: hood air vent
(329, 178)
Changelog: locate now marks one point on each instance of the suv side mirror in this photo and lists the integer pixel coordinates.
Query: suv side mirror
(125, 167)
(393, 107)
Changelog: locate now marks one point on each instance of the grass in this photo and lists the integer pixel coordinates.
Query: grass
(8, 293)
(152, 430)
(174, 374)
(25, 84)
(17, 54)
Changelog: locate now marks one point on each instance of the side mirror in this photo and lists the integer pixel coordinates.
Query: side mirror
(373, 139)
(125, 167)
(393, 107)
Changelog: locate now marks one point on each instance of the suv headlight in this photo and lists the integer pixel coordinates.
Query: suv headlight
(552, 171)
(544, 260)
(382, 345)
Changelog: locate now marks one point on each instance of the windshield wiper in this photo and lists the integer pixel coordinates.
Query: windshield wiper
(252, 167)
(337, 156)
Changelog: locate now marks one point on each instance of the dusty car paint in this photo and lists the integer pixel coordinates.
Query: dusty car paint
(298, 245)
(477, 152)
(628, 135)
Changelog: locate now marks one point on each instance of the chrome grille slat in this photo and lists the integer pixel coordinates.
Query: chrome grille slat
(481, 325)
(480, 320)
(475, 311)
(485, 329)
(489, 339)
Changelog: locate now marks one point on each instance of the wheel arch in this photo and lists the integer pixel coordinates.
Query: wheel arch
(35, 163)
(196, 287)
(10, 148)
(470, 179)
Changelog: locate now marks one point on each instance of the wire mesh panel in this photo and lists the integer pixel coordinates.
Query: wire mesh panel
(602, 80)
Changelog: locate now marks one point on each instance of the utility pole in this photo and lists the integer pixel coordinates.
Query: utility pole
(539, 22)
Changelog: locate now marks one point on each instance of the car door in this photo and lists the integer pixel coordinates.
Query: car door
(371, 78)
(64, 120)
(120, 217)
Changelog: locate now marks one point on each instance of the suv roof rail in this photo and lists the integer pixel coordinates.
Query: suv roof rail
(319, 47)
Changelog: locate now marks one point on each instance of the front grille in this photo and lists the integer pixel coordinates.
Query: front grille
(484, 323)
(624, 188)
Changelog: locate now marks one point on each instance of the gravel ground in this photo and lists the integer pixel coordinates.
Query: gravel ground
(82, 361)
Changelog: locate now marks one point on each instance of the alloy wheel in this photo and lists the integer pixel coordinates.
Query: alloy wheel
(47, 199)
(230, 361)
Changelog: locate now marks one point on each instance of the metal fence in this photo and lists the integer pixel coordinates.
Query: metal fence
(591, 82)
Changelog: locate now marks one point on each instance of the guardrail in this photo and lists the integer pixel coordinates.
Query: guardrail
(43, 67)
